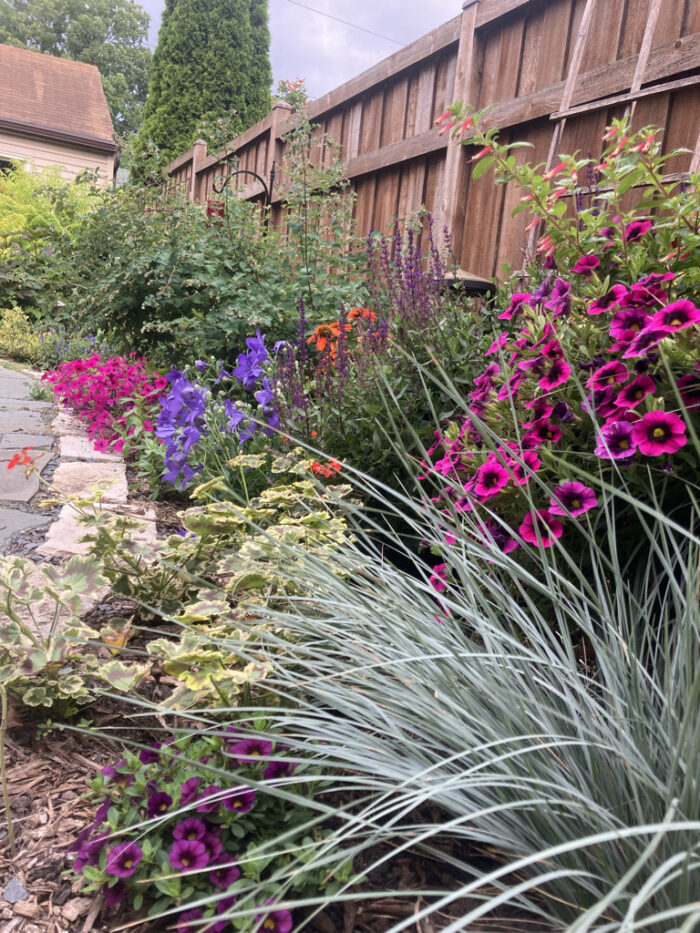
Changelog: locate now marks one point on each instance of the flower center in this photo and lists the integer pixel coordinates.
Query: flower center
(675, 322)
(624, 444)
(639, 393)
(575, 503)
(185, 860)
(269, 924)
(658, 432)
(128, 863)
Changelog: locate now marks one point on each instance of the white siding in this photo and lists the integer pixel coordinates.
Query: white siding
(37, 154)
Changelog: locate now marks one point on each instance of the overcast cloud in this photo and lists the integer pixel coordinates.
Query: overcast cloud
(306, 44)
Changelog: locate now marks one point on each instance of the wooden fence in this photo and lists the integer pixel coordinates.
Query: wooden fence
(556, 72)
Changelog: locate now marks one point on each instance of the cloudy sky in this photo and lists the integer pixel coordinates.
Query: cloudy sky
(308, 41)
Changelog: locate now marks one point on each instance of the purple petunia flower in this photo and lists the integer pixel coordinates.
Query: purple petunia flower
(188, 855)
(190, 829)
(149, 756)
(675, 316)
(240, 800)
(225, 872)
(572, 498)
(608, 375)
(490, 479)
(115, 893)
(615, 441)
(279, 769)
(250, 751)
(122, 859)
(609, 300)
(634, 393)
(518, 302)
(185, 922)
(189, 790)
(159, 803)
(274, 921)
(659, 432)
(636, 229)
(541, 527)
(586, 265)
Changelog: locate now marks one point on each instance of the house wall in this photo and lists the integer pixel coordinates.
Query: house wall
(38, 154)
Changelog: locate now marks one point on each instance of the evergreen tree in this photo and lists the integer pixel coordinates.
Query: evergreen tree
(212, 58)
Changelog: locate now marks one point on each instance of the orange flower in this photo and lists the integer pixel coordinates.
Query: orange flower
(324, 335)
(334, 465)
(363, 313)
(326, 471)
(22, 457)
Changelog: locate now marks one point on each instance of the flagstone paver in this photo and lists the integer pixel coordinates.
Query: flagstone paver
(16, 485)
(63, 538)
(13, 522)
(75, 447)
(19, 440)
(79, 477)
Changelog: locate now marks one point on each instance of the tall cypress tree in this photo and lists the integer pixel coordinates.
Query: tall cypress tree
(212, 57)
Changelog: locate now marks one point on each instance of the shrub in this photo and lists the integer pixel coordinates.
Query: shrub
(18, 339)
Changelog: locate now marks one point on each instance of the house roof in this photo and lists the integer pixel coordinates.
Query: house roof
(57, 98)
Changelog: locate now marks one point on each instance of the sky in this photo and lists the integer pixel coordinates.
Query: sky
(312, 45)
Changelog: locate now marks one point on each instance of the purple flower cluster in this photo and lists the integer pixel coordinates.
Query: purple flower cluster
(180, 424)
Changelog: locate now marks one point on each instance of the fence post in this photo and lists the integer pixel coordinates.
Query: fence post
(448, 206)
(275, 150)
(199, 154)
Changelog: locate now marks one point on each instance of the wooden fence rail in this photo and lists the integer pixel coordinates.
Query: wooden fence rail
(554, 72)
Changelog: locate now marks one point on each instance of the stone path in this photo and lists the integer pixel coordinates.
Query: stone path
(58, 440)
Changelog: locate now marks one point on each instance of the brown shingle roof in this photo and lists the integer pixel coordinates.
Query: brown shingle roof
(54, 93)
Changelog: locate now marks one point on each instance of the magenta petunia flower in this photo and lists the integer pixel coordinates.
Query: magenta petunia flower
(634, 393)
(188, 855)
(607, 301)
(627, 322)
(552, 350)
(586, 265)
(189, 790)
(114, 894)
(122, 859)
(274, 921)
(608, 375)
(224, 872)
(438, 579)
(518, 302)
(250, 751)
(559, 373)
(572, 498)
(190, 829)
(615, 441)
(543, 524)
(659, 432)
(675, 316)
(498, 343)
(159, 803)
(636, 229)
(490, 478)
(645, 341)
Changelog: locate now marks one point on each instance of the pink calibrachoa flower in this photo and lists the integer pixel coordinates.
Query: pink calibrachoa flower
(541, 527)
(498, 343)
(627, 322)
(559, 373)
(636, 229)
(528, 463)
(635, 392)
(607, 301)
(689, 387)
(540, 408)
(608, 375)
(490, 479)
(572, 498)
(586, 265)
(188, 855)
(542, 432)
(518, 302)
(659, 432)
(675, 316)
(645, 341)
(438, 580)
(615, 441)
(644, 296)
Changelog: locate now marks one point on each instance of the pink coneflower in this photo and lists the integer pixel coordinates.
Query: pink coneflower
(490, 478)
(586, 265)
(518, 302)
(634, 393)
(541, 527)
(627, 322)
(572, 498)
(559, 373)
(615, 441)
(659, 432)
(608, 375)
(675, 316)
(636, 229)
(609, 300)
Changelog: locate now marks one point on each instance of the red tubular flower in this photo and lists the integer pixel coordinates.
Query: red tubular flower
(22, 457)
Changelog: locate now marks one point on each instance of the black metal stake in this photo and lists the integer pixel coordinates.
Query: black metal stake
(267, 189)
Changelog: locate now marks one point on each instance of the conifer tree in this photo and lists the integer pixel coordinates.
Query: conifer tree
(212, 58)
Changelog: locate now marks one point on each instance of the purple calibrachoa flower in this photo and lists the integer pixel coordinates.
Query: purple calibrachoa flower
(150, 755)
(240, 800)
(122, 859)
(89, 852)
(278, 769)
(112, 772)
(224, 872)
(659, 432)
(615, 441)
(608, 375)
(572, 498)
(689, 387)
(586, 265)
(186, 924)
(609, 300)
(114, 894)
(636, 229)
(560, 299)
(189, 790)
(274, 921)
(635, 392)
(208, 802)
(541, 528)
(190, 829)
(673, 317)
(518, 302)
(490, 479)
(250, 751)
(188, 855)
(213, 845)
(159, 803)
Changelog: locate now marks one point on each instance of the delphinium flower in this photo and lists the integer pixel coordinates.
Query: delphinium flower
(540, 527)
(249, 368)
(122, 859)
(274, 920)
(616, 441)
(572, 498)
(659, 432)
(180, 424)
(188, 854)
(265, 397)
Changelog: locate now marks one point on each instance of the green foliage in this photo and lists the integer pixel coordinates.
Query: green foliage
(110, 34)
(18, 339)
(211, 58)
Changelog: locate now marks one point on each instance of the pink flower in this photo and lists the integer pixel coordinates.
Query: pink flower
(541, 527)
(490, 478)
(659, 432)
(608, 300)
(438, 580)
(529, 463)
(518, 302)
(627, 322)
(636, 229)
(634, 393)
(498, 343)
(615, 441)
(608, 375)
(675, 316)
(586, 265)
(572, 498)
(645, 341)
(559, 373)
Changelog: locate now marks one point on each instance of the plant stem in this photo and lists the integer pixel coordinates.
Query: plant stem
(3, 770)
